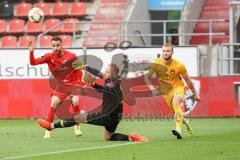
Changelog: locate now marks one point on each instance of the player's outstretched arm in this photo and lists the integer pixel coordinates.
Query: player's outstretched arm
(191, 86)
(94, 71)
(32, 59)
(90, 81)
(78, 65)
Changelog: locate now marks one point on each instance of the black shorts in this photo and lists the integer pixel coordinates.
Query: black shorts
(109, 121)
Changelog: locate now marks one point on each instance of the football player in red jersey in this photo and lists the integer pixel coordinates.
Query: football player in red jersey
(58, 61)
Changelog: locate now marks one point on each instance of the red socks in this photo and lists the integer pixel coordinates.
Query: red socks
(74, 109)
(50, 115)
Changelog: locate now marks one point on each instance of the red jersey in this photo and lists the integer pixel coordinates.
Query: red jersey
(60, 66)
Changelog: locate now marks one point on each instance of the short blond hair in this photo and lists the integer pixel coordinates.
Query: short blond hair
(168, 45)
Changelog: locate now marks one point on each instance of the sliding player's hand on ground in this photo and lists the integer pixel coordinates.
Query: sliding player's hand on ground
(89, 80)
(30, 46)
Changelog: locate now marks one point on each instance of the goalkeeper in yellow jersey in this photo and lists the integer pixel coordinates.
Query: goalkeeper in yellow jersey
(170, 73)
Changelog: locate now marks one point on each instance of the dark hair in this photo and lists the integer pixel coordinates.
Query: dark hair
(55, 38)
(114, 68)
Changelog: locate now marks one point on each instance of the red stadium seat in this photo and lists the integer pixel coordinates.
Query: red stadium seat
(97, 32)
(23, 41)
(67, 41)
(99, 26)
(9, 42)
(106, 17)
(198, 40)
(3, 27)
(60, 9)
(22, 9)
(16, 26)
(45, 7)
(69, 28)
(114, 1)
(51, 23)
(78, 9)
(34, 28)
(45, 41)
(217, 2)
(215, 15)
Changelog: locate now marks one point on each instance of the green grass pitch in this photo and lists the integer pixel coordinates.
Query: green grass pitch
(214, 139)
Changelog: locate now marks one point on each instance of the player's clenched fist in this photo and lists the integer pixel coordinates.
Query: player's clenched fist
(89, 80)
(30, 46)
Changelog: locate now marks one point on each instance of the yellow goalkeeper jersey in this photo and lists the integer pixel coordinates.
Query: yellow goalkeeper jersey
(169, 76)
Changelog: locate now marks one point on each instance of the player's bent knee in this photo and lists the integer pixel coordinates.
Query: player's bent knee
(55, 101)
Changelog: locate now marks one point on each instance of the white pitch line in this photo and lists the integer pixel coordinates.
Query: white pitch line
(69, 150)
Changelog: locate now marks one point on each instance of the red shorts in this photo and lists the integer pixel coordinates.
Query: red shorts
(67, 90)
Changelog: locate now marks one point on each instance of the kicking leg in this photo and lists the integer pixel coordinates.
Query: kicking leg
(55, 101)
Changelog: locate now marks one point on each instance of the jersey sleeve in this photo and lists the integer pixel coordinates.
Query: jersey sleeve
(39, 60)
(183, 71)
(94, 71)
(152, 69)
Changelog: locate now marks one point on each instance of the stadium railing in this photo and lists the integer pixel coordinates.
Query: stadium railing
(124, 35)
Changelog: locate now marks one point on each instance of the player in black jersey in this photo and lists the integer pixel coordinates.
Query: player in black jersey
(111, 109)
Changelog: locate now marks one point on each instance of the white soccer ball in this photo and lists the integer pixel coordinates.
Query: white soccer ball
(35, 15)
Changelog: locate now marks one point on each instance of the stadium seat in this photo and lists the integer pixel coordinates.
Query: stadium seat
(106, 17)
(99, 26)
(22, 9)
(217, 2)
(16, 26)
(216, 8)
(45, 41)
(114, 1)
(203, 27)
(45, 7)
(9, 42)
(51, 23)
(60, 9)
(214, 15)
(78, 9)
(3, 27)
(34, 28)
(23, 41)
(6, 9)
(114, 5)
(69, 28)
(67, 41)
(196, 40)
(97, 32)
